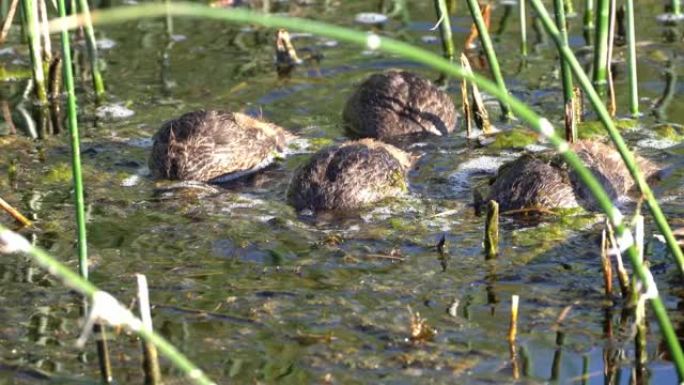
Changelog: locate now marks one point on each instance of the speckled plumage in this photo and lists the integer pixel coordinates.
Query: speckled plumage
(398, 103)
(349, 176)
(544, 181)
(532, 182)
(607, 166)
(214, 146)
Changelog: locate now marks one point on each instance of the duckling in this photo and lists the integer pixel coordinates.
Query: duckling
(398, 103)
(215, 146)
(349, 176)
(542, 181)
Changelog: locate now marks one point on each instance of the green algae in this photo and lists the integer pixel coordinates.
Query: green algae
(516, 138)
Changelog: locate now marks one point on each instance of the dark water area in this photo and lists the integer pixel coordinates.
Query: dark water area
(253, 292)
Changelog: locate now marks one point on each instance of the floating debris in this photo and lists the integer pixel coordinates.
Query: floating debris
(370, 18)
(114, 112)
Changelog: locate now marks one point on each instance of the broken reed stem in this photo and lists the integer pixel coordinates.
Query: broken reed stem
(8, 21)
(25, 222)
(631, 62)
(98, 83)
(105, 363)
(33, 34)
(606, 266)
(444, 23)
(486, 41)
(491, 239)
(601, 47)
(512, 334)
(640, 344)
(623, 276)
(513, 327)
(150, 355)
(466, 104)
(44, 31)
(523, 28)
(661, 105)
(638, 223)
(566, 75)
(477, 110)
(612, 105)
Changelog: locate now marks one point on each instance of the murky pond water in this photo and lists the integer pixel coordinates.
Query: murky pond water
(255, 293)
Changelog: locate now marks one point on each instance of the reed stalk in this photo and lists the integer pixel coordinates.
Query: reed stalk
(606, 266)
(523, 28)
(669, 91)
(569, 7)
(7, 23)
(33, 34)
(104, 306)
(445, 29)
(601, 47)
(419, 55)
(513, 326)
(150, 355)
(676, 7)
(75, 149)
(641, 271)
(566, 76)
(98, 83)
(44, 32)
(612, 104)
(491, 236)
(486, 41)
(14, 213)
(588, 21)
(632, 62)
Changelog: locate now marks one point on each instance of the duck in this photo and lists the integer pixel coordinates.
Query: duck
(215, 146)
(350, 176)
(544, 182)
(398, 103)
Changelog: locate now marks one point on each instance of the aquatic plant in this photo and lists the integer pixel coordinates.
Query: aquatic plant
(539, 124)
(104, 307)
(488, 47)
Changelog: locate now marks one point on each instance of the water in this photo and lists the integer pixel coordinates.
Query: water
(252, 292)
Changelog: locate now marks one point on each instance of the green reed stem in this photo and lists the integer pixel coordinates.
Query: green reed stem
(676, 7)
(566, 74)
(601, 47)
(75, 149)
(588, 20)
(628, 157)
(98, 83)
(104, 305)
(445, 29)
(486, 41)
(569, 7)
(29, 8)
(632, 61)
(523, 28)
(537, 123)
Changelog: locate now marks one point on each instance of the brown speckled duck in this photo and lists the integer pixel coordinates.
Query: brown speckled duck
(398, 103)
(215, 146)
(542, 181)
(349, 176)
